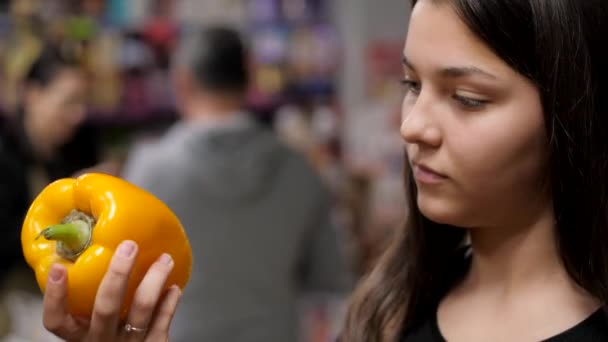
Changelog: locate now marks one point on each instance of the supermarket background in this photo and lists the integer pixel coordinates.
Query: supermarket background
(325, 78)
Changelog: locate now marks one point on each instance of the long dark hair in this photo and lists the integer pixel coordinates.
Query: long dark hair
(558, 45)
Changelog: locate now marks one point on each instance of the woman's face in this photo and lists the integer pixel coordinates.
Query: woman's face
(58, 108)
(473, 127)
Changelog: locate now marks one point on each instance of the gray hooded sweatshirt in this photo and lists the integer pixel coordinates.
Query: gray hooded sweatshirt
(257, 217)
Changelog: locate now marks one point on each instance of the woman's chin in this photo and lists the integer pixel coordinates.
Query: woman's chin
(443, 211)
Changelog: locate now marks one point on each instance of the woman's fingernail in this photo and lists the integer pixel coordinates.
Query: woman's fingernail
(126, 248)
(176, 289)
(56, 273)
(165, 259)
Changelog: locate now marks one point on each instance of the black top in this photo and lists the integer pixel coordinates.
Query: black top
(593, 329)
(16, 158)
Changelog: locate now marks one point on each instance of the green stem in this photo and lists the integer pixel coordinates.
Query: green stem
(73, 235)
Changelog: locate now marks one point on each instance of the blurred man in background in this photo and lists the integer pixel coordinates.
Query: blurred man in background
(257, 215)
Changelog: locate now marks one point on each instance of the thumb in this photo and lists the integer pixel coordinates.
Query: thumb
(56, 317)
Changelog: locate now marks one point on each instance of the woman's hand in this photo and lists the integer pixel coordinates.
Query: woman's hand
(149, 316)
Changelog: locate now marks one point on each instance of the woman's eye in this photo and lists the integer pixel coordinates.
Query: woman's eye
(412, 86)
(470, 102)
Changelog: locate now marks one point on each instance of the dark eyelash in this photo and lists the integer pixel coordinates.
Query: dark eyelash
(412, 86)
(469, 102)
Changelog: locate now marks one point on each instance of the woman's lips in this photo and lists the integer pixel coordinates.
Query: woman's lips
(424, 174)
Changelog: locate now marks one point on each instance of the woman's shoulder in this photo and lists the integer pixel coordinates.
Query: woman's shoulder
(592, 329)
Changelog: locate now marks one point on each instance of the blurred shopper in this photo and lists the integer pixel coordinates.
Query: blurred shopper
(43, 141)
(257, 215)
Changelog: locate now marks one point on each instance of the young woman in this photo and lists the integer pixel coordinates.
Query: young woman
(505, 123)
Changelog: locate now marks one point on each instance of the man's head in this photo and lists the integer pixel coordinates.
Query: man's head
(210, 70)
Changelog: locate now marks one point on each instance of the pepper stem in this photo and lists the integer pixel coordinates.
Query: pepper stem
(73, 234)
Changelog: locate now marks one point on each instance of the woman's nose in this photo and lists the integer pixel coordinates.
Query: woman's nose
(419, 125)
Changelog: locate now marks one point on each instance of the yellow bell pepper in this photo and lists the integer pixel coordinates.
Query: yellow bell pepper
(80, 222)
